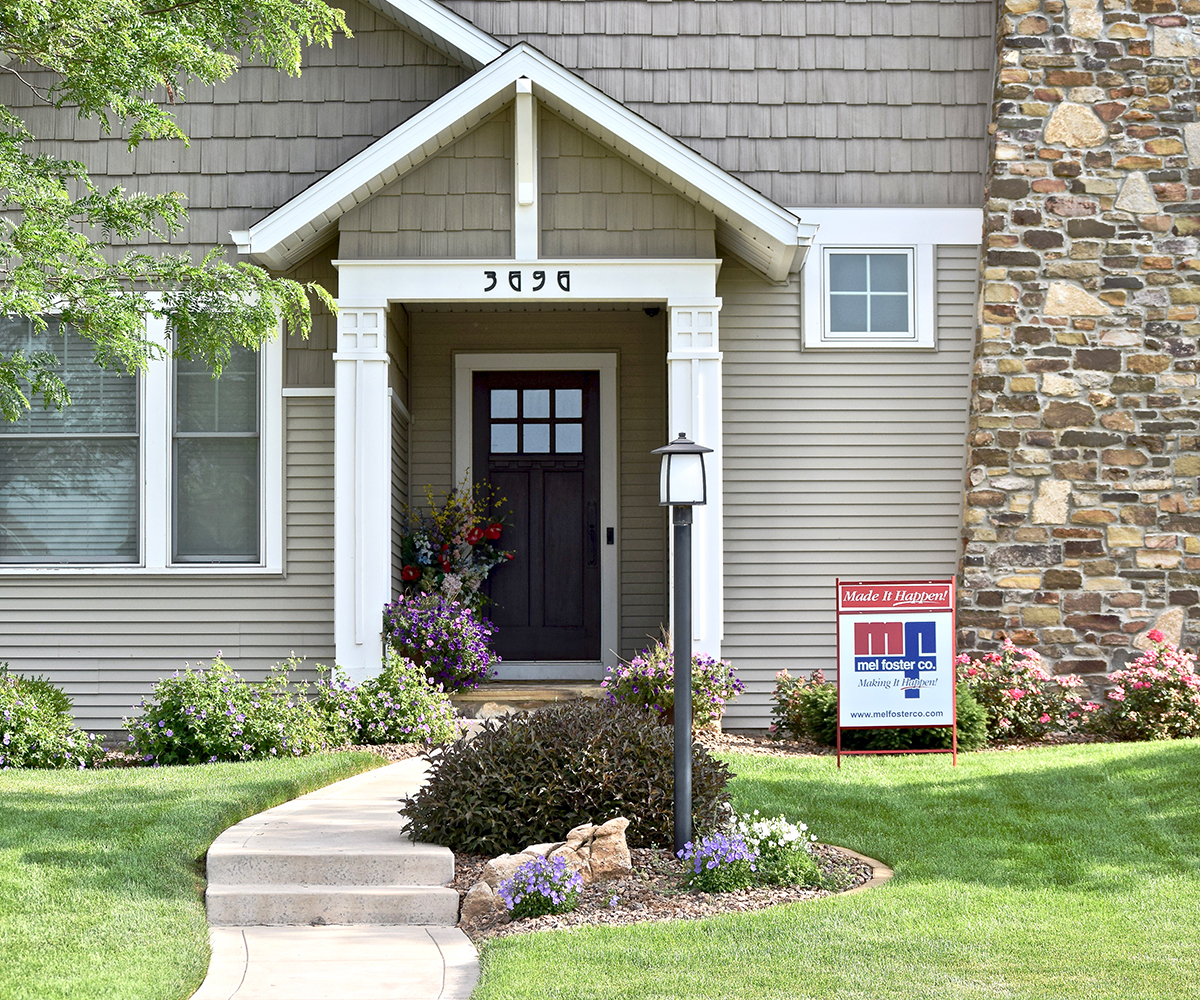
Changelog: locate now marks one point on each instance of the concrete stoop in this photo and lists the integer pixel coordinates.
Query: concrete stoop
(499, 698)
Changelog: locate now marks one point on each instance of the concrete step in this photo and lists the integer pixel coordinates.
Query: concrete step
(377, 863)
(497, 698)
(280, 904)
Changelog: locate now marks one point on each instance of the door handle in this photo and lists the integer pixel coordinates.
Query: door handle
(593, 534)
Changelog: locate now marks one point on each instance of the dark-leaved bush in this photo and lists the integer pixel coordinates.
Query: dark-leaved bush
(532, 776)
(807, 709)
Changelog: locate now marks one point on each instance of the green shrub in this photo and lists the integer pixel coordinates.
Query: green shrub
(400, 705)
(212, 715)
(42, 690)
(36, 727)
(529, 777)
(807, 709)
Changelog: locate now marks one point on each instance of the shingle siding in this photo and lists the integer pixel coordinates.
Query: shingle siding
(716, 75)
(261, 137)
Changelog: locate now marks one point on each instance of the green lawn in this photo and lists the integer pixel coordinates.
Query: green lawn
(100, 874)
(1067, 872)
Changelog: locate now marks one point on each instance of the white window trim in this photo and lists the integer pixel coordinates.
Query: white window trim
(465, 366)
(155, 521)
(919, 230)
(912, 337)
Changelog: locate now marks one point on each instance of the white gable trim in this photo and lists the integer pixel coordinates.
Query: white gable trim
(443, 29)
(762, 233)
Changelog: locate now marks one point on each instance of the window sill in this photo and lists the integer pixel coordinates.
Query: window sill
(142, 571)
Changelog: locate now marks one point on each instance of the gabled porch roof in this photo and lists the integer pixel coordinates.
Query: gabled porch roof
(762, 234)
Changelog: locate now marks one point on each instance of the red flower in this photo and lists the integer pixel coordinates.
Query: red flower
(492, 531)
(474, 536)
(508, 556)
(410, 573)
(445, 561)
(1154, 635)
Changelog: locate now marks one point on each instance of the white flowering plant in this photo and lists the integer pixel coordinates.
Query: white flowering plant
(784, 850)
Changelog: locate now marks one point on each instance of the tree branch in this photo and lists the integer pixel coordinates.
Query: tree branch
(45, 97)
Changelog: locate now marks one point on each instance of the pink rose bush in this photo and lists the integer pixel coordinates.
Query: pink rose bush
(1157, 697)
(1022, 699)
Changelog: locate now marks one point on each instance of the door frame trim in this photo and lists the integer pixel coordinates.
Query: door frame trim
(465, 366)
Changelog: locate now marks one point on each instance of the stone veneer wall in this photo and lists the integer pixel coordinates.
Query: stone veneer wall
(1081, 515)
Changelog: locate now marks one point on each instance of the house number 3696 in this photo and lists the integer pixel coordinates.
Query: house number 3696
(516, 280)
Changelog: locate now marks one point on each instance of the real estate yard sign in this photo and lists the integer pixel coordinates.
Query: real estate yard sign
(895, 657)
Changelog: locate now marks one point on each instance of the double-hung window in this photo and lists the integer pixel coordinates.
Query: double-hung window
(69, 479)
(172, 472)
(215, 461)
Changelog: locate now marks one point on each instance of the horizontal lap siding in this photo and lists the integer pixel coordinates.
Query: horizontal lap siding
(106, 639)
(641, 399)
(837, 463)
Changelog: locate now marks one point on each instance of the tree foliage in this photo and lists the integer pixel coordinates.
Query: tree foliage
(127, 63)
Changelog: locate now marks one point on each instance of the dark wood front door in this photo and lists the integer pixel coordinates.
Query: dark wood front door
(537, 440)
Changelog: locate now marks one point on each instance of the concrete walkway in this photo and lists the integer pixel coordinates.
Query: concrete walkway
(321, 898)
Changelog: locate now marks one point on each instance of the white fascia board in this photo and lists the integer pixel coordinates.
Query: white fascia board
(444, 29)
(741, 207)
(880, 226)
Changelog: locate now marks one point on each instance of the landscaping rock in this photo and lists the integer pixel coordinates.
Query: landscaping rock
(503, 867)
(480, 903)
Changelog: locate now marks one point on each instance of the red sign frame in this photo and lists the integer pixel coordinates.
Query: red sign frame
(857, 597)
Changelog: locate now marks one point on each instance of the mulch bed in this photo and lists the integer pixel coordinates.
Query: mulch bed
(652, 893)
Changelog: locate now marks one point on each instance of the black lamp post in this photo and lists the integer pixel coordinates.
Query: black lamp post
(682, 484)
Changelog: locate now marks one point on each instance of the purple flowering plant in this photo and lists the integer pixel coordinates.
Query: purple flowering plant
(36, 730)
(214, 714)
(400, 705)
(721, 862)
(539, 887)
(648, 680)
(450, 640)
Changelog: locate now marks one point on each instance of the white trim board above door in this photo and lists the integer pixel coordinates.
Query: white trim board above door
(465, 366)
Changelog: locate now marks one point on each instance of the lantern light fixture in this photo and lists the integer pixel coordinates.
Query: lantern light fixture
(682, 479)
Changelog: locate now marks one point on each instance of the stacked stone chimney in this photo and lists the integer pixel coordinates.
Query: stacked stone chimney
(1082, 518)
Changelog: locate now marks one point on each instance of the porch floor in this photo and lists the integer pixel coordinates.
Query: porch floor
(502, 697)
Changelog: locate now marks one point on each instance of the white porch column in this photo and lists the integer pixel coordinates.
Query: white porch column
(694, 407)
(362, 532)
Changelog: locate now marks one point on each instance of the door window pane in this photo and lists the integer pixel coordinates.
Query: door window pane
(568, 437)
(537, 438)
(568, 403)
(537, 403)
(69, 480)
(504, 403)
(504, 439)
